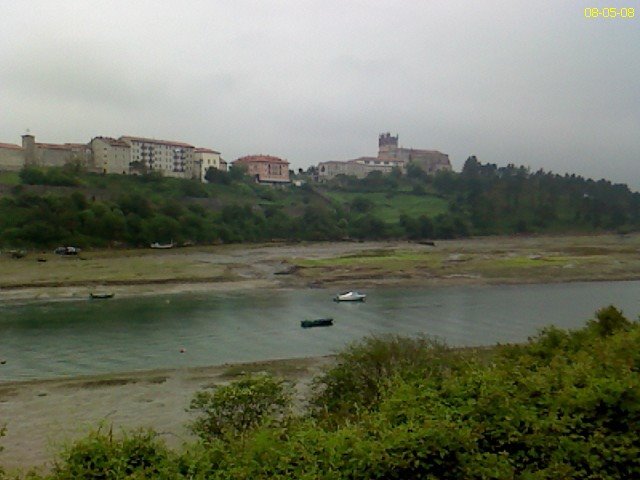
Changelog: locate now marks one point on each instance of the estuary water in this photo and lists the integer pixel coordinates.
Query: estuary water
(85, 337)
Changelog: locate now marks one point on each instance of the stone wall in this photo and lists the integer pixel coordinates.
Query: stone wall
(11, 157)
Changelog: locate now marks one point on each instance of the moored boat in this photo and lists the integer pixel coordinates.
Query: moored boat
(101, 295)
(351, 296)
(162, 245)
(318, 322)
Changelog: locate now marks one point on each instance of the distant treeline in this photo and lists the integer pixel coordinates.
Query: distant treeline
(111, 210)
(512, 199)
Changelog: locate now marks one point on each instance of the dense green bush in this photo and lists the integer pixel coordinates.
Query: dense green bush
(138, 455)
(66, 177)
(236, 408)
(361, 371)
(575, 415)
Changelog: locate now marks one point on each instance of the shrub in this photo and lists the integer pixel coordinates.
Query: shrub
(137, 455)
(239, 407)
(609, 320)
(356, 381)
(51, 176)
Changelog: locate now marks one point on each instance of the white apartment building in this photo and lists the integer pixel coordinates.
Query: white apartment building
(173, 159)
(204, 159)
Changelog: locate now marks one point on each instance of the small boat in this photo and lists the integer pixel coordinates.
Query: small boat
(162, 245)
(318, 322)
(351, 296)
(101, 295)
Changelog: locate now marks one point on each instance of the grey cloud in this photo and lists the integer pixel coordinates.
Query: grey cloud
(313, 80)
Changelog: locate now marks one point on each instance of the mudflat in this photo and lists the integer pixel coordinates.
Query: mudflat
(516, 259)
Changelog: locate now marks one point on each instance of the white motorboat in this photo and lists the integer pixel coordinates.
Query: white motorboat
(162, 245)
(351, 296)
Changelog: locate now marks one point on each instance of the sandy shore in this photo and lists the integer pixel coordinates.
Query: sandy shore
(41, 416)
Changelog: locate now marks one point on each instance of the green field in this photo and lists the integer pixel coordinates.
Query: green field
(389, 207)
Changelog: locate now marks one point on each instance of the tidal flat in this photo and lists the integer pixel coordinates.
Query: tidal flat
(482, 260)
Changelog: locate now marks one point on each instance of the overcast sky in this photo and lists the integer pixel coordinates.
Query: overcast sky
(533, 83)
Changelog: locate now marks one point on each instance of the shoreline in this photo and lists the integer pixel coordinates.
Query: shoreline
(43, 415)
(34, 294)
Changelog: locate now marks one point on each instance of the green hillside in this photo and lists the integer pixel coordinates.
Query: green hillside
(58, 206)
(390, 206)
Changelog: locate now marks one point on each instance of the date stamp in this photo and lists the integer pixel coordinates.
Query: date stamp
(610, 12)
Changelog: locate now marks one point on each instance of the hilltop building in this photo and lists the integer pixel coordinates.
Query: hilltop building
(204, 159)
(265, 168)
(431, 161)
(173, 159)
(15, 157)
(125, 155)
(390, 156)
(110, 155)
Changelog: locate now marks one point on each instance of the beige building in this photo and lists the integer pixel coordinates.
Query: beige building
(390, 156)
(173, 159)
(53, 154)
(14, 157)
(358, 167)
(204, 159)
(118, 156)
(431, 161)
(110, 156)
(265, 168)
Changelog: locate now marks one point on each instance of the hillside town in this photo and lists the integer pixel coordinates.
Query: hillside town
(129, 155)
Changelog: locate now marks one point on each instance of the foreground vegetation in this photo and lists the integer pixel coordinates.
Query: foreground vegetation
(64, 206)
(564, 405)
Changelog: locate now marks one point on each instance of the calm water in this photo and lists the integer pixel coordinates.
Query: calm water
(100, 336)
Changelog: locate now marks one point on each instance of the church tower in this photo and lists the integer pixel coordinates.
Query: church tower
(387, 144)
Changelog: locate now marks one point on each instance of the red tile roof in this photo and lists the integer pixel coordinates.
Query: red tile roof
(10, 146)
(205, 150)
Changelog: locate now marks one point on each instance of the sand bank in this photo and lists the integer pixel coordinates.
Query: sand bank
(41, 416)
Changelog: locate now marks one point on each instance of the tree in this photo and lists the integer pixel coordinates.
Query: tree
(238, 173)
(215, 175)
(471, 167)
(609, 320)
